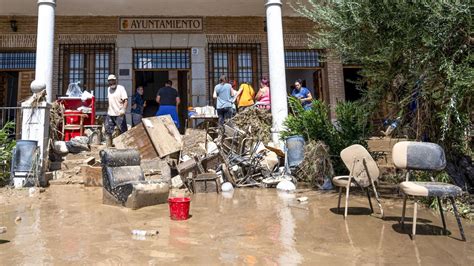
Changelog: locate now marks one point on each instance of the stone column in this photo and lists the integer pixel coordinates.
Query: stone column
(276, 62)
(45, 45)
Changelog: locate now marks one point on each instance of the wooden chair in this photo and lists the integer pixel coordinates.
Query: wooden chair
(424, 156)
(193, 172)
(364, 172)
(74, 127)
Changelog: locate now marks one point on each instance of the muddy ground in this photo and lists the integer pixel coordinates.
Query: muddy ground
(69, 225)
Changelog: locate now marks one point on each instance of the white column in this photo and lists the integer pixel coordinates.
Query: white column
(45, 45)
(276, 58)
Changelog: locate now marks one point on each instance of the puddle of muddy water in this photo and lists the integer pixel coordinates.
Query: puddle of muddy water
(249, 226)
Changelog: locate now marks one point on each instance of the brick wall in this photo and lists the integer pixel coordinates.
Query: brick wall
(335, 81)
(77, 29)
(108, 24)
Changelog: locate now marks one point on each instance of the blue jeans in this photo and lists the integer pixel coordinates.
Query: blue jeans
(136, 119)
(224, 114)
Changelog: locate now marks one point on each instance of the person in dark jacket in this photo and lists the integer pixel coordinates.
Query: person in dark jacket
(138, 104)
(168, 99)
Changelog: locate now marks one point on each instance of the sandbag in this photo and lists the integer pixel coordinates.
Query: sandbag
(60, 147)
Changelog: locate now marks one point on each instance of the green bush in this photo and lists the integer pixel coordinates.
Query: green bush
(350, 128)
(352, 123)
(6, 147)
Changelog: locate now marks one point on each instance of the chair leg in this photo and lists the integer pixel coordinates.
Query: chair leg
(455, 209)
(377, 198)
(405, 197)
(194, 185)
(415, 212)
(347, 200)
(370, 201)
(339, 201)
(442, 215)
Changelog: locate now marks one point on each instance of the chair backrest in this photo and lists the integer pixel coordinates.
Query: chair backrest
(120, 166)
(412, 155)
(354, 157)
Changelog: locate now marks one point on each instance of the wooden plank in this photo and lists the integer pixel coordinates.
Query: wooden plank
(163, 134)
(137, 138)
(24, 90)
(92, 175)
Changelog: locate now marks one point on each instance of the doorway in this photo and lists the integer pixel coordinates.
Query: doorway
(153, 80)
(353, 87)
(9, 88)
(312, 80)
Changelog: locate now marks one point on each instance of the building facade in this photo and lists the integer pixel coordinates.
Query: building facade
(146, 47)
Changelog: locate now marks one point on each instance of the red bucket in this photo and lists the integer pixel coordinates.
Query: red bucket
(179, 208)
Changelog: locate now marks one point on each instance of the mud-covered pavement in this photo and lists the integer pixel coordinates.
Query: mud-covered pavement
(69, 225)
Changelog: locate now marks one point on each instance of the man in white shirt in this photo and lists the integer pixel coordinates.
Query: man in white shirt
(118, 100)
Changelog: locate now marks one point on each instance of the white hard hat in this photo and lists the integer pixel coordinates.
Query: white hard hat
(112, 77)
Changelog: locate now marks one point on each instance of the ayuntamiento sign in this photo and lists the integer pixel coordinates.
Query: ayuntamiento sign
(160, 24)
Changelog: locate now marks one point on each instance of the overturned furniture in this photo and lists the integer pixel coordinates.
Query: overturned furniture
(242, 163)
(124, 182)
(195, 176)
(424, 156)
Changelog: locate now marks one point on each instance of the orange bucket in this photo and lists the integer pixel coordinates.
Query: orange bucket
(179, 208)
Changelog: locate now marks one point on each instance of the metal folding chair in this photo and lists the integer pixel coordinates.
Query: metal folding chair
(364, 172)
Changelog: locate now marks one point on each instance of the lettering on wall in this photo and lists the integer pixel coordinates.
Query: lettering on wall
(160, 24)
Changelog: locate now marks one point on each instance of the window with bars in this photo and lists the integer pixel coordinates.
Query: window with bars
(144, 59)
(17, 60)
(88, 64)
(308, 58)
(240, 62)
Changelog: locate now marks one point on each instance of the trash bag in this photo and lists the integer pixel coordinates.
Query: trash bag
(78, 144)
(74, 90)
(86, 96)
(60, 147)
(81, 139)
(286, 185)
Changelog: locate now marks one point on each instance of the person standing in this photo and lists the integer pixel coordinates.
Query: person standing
(263, 95)
(245, 96)
(223, 94)
(138, 104)
(118, 100)
(168, 99)
(303, 94)
(233, 84)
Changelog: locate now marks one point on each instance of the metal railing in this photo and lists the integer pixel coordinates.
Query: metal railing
(89, 64)
(241, 62)
(12, 114)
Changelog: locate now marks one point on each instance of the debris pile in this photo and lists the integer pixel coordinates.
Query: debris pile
(256, 122)
(194, 142)
(316, 166)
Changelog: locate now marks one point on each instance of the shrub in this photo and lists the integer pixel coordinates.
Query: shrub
(6, 147)
(350, 128)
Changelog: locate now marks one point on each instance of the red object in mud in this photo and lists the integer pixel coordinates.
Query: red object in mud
(179, 208)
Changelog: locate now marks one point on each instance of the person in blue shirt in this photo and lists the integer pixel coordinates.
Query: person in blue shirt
(138, 104)
(303, 94)
(223, 94)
